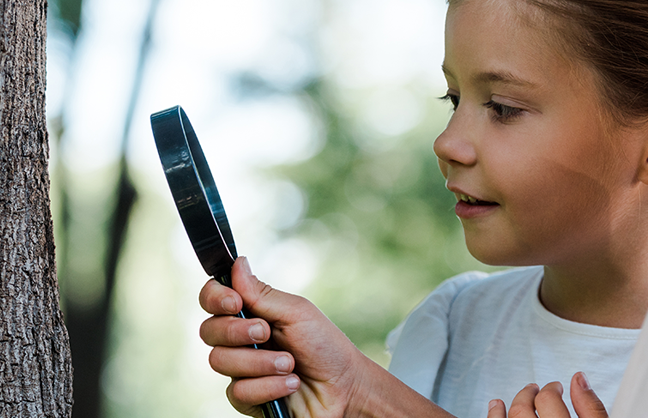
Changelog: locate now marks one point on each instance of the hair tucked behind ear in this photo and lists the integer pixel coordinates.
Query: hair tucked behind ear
(611, 37)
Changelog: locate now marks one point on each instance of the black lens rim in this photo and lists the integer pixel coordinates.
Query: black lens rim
(194, 190)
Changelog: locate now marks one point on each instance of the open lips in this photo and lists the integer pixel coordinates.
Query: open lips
(473, 201)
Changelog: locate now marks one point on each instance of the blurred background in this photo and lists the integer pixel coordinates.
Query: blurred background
(317, 118)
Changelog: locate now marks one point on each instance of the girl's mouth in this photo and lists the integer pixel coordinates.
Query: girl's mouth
(474, 201)
(469, 207)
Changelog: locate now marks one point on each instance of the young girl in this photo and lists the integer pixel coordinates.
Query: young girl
(547, 154)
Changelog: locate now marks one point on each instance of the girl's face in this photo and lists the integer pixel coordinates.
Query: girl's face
(539, 175)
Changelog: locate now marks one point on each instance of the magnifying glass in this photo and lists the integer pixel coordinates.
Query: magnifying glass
(199, 204)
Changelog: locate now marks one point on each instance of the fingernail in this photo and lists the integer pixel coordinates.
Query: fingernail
(257, 332)
(229, 305)
(584, 382)
(292, 383)
(246, 266)
(282, 364)
(492, 404)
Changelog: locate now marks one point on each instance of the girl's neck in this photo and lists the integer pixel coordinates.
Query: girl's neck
(606, 283)
(598, 292)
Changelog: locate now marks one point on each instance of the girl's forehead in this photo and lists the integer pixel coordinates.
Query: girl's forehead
(501, 5)
(505, 15)
(493, 36)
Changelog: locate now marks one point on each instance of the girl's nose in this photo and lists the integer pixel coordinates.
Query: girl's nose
(454, 148)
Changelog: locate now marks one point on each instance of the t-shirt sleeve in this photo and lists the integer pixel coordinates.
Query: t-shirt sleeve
(419, 344)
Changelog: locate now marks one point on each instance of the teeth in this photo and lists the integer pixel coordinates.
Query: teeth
(467, 198)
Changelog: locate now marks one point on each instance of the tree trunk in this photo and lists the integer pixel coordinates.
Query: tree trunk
(35, 362)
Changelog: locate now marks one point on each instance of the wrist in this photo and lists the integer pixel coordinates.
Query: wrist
(362, 388)
(376, 393)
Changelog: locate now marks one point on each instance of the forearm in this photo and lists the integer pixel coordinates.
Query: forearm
(387, 397)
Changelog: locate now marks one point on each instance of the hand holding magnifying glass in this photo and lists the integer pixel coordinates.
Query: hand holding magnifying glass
(199, 204)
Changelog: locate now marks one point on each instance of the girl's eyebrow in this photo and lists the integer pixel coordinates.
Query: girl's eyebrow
(504, 77)
(492, 77)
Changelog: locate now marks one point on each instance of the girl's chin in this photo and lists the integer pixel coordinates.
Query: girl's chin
(494, 253)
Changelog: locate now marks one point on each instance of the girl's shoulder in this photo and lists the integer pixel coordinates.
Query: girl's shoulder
(492, 298)
(471, 292)
(471, 286)
(420, 343)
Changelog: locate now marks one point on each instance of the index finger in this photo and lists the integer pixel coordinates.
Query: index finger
(217, 299)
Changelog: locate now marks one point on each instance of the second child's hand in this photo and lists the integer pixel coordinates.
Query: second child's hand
(532, 402)
(309, 359)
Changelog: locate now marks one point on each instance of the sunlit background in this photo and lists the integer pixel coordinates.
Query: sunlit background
(317, 118)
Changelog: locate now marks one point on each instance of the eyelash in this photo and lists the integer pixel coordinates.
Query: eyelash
(503, 113)
(452, 98)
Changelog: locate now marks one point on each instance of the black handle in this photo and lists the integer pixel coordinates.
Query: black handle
(273, 409)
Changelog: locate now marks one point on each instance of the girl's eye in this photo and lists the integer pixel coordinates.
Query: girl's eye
(502, 112)
(452, 98)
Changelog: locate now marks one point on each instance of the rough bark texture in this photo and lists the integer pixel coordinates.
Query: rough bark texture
(35, 363)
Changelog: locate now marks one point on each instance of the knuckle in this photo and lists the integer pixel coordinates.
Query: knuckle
(241, 404)
(304, 304)
(202, 298)
(551, 393)
(231, 392)
(208, 297)
(263, 288)
(202, 331)
(224, 331)
(207, 332)
(306, 309)
(545, 396)
(598, 408)
(216, 359)
(231, 334)
(236, 394)
(517, 411)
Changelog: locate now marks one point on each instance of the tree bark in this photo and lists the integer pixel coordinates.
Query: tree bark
(35, 361)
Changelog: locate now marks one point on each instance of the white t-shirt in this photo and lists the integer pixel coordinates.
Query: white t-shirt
(479, 337)
(631, 400)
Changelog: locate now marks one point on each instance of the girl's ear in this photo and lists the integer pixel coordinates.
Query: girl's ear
(643, 166)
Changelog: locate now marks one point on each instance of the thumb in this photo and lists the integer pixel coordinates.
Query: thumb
(260, 299)
(586, 403)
